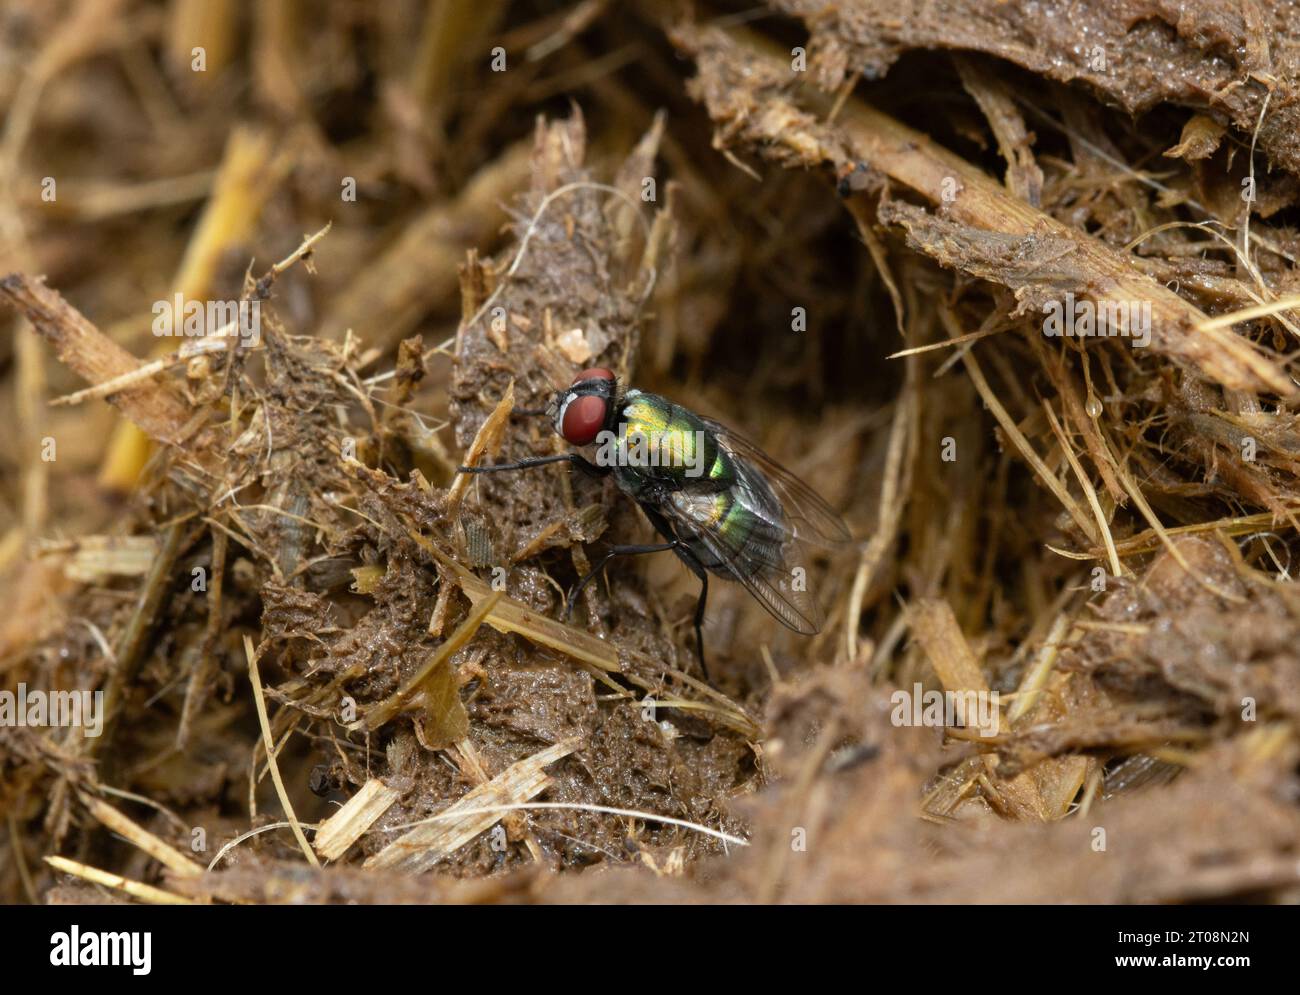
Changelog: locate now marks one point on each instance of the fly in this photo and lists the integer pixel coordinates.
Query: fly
(722, 505)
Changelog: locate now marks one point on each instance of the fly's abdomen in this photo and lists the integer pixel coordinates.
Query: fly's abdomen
(748, 542)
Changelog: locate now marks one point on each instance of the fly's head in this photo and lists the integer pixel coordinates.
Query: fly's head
(585, 407)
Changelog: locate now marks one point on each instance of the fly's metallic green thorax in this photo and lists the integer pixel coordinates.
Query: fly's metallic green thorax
(679, 443)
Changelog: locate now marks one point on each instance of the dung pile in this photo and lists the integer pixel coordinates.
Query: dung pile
(1021, 308)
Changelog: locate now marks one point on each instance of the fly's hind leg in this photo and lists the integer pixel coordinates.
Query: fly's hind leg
(687, 556)
(697, 568)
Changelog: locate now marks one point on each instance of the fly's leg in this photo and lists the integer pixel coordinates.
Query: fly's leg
(659, 547)
(581, 462)
(687, 557)
(698, 569)
(660, 523)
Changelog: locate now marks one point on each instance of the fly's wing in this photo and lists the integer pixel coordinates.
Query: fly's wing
(772, 562)
(805, 515)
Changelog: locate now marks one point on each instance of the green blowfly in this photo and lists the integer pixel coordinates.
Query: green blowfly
(719, 503)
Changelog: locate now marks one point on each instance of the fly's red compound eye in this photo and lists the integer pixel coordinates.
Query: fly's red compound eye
(595, 373)
(583, 419)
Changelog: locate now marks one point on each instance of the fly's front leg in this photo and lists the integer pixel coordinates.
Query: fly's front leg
(581, 462)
